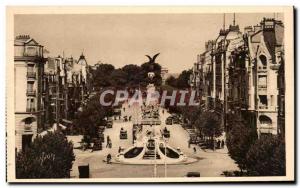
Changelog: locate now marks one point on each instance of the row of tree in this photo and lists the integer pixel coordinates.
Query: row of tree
(256, 157)
(132, 76)
(182, 82)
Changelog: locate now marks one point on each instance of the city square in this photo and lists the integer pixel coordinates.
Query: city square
(120, 97)
(208, 162)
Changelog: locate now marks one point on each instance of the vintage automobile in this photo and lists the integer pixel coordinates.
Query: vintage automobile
(176, 119)
(193, 174)
(169, 121)
(109, 123)
(194, 139)
(117, 112)
(123, 134)
(166, 133)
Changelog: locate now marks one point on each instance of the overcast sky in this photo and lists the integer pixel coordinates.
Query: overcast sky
(121, 39)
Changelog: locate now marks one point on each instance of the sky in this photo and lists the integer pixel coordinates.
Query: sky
(121, 39)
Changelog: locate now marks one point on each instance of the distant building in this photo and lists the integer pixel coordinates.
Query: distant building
(28, 73)
(66, 87)
(164, 74)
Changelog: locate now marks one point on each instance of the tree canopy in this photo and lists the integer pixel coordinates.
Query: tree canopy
(239, 139)
(266, 157)
(50, 156)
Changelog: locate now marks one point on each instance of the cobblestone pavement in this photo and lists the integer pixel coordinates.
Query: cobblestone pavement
(210, 163)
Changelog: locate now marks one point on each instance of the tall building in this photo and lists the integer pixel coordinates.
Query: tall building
(164, 74)
(28, 73)
(265, 49)
(221, 57)
(241, 76)
(66, 88)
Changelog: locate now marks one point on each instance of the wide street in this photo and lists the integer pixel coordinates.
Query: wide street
(209, 163)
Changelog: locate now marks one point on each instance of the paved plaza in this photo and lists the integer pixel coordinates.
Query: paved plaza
(209, 163)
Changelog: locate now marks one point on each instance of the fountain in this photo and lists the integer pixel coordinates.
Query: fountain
(150, 143)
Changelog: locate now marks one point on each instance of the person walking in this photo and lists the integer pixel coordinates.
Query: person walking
(222, 144)
(219, 144)
(107, 141)
(195, 150)
(108, 159)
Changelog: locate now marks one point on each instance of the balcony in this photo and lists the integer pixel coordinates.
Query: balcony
(262, 86)
(31, 75)
(30, 92)
(30, 109)
(263, 107)
(274, 67)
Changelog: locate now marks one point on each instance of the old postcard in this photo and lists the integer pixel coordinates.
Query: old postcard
(150, 94)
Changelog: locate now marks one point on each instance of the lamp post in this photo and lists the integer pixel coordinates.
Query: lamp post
(155, 165)
(165, 157)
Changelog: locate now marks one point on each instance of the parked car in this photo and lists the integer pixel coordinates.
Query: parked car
(193, 174)
(109, 123)
(123, 134)
(166, 133)
(169, 121)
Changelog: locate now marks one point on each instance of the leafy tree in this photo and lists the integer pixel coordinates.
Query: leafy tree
(171, 81)
(133, 75)
(118, 78)
(209, 124)
(239, 139)
(183, 79)
(266, 157)
(50, 156)
(92, 116)
(192, 113)
(101, 76)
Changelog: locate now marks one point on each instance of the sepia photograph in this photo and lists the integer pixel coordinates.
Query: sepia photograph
(150, 94)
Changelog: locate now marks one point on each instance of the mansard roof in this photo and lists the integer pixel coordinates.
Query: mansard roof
(25, 40)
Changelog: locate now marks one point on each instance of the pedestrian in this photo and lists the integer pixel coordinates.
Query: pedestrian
(219, 144)
(107, 141)
(222, 144)
(120, 149)
(163, 111)
(195, 151)
(189, 142)
(108, 158)
(123, 109)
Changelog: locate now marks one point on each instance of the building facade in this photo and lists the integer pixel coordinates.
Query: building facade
(265, 49)
(241, 76)
(28, 76)
(47, 90)
(65, 88)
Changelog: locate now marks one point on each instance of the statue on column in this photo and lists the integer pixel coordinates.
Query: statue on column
(151, 73)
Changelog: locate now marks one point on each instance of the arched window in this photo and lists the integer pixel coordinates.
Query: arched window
(29, 120)
(263, 61)
(28, 123)
(263, 119)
